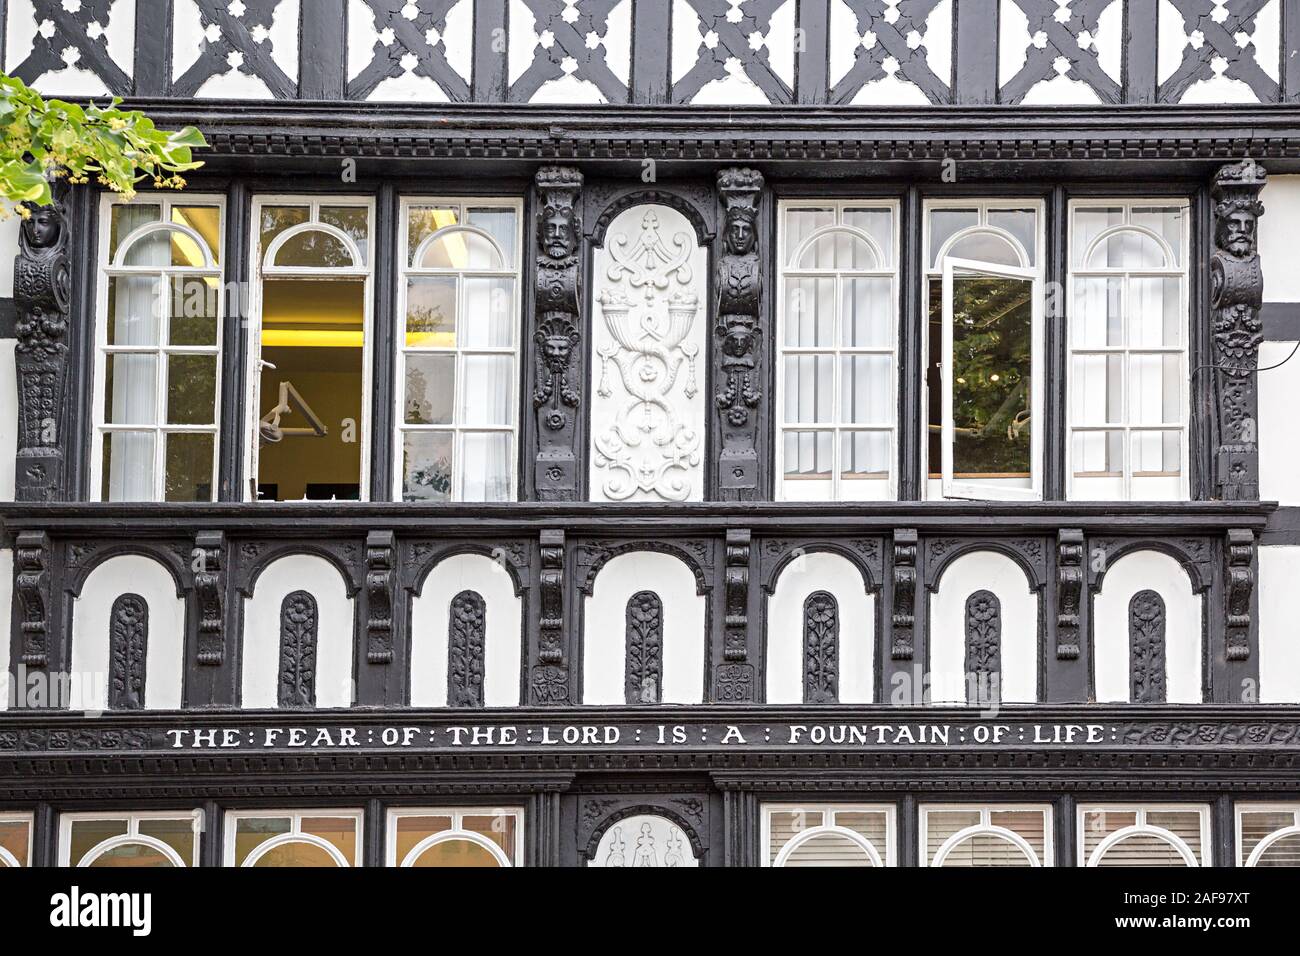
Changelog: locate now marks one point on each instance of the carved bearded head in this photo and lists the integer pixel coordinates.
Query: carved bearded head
(556, 231)
(1235, 228)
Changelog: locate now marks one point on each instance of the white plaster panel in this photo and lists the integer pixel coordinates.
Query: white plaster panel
(260, 662)
(604, 629)
(1139, 571)
(987, 571)
(91, 612)
(1279, 449)
(835, 574)
(648, 359)
(1277, 232)
(1279, 639)
(430, 618)
(6, 602)
(8, 250)
(644, 840)
(8, 418)
(74, 78)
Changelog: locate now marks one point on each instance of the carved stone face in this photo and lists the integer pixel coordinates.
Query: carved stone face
(42, 227)
(557, 232)
(1237, 232)
(556, 347)
(740, 236)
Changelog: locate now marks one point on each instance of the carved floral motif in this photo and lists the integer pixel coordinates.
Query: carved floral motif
(299, 623)
(644, 649)
(128, 645)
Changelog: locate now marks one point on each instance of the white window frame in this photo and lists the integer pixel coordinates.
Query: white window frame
(132, 835)
(891, 830)
(363, 268)
(1181, 272)
(457, 832)
(294, 834)
(887, 267)
(986, 828)
(943, 267)
(7, 858)
(1241, 809)
(215, 268)
(1141, 827)
(407, 270)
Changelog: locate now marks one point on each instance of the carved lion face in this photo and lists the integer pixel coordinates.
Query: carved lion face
(556, 347)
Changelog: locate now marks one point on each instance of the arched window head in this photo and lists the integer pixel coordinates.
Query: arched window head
(840, 249)
(461, 248)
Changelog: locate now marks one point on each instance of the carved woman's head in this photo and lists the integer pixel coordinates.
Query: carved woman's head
(43, 228)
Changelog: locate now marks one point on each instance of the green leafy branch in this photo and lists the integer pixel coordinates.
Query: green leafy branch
(43, 140)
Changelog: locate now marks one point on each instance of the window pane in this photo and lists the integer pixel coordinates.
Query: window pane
(296, 854)
(462, 249)
(426, 466)
(191, 389)
(986, 247)
(353, 220)
(128, 466)
(865, 455)
(808, 388)
(489, 313)
(430, 389)
(485, 467)
(829, 849)
(1155, 391)
(808, 454)
(1098, 454)
(125, 218)
(488, 390)
(1097, 390)
(136, 855)
(839, 250)
(431, 312)
(276, 219)
(131, 389)
(867, 313)
(1089, 223)
(423, 221)
(992, 365)
(456, 853)
(1128, 249)
(802, 223)
(134, 310)
(1157, 454)
(1098, 320)
(867, 389)
(499, 223)
(1155, 312)
(189, 466)
(1166, 222)
(1021, 223)
(315, 249)
(809, 312)
(195, 305)
(946, 223)
(878, 224)
(206, 221)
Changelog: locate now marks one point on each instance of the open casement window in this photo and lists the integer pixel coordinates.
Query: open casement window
(984, 340)
(455, 837)
(158, 349)
(309, 357)
(1152, 835)
(1268, 834)
(971, 835)
(153, 839)
(458, 359)
(15, 840)
(293, 838)
(837, 361)
(1128, 368)
(836, 834)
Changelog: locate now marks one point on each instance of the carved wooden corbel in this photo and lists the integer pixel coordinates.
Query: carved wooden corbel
(209, 591)
(904, 615)
(1236, 294)
(1239, 552)
(1069, 592)
(737, 346)
(735, 676)
(550, 675)
(557, 334)
(381, 583)
(32, 585)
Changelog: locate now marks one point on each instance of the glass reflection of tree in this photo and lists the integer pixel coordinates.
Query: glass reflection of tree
(991, 374)
(425, 319)
(435, 476)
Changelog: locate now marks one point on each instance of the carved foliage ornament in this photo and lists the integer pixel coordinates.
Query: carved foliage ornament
(821, 649)
(550, 675)
(1069, 591)
(1146, 638)
(209, 591)
(643, 676)
(556, 394)
(128, 645)
(299, 627)
(983, 648)
(381, 586)
(735, 677)
(1240, 554)
(466, 648)
(1236, 292)
(904, 613)
(32, 586)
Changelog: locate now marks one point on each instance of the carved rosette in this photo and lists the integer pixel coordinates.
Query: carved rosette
(381, 585)
(1146, 641)
(557, 333)
(299, 627)
(643, 667)
(1239, 551)
(903, 619)
(466, 649)
(42, 298)
(1069, 592)
(209, 592)
(737, 345)
(983, 648)
(735, 676)
(821, 649)
(32, 588)
(1236, 293)
(550, 675)
(128, 646)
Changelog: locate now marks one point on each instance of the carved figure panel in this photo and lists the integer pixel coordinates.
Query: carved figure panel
(644, 840)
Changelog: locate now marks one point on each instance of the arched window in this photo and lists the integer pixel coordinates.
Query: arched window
(299, 621)
(455, 836)
(152, 839)
(1155, 835)
(1268, 834)
(158, 355)
(1128, 375)
(458, 357)
(15, 839)
(128, 647)
(837, 341)
(828, 835)
(972, 835)
(293, 838)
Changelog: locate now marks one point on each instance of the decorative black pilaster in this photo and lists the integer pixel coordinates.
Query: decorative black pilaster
(737, 347)
(556, 336)
(209, 595)
(381, 583)
(549, 683)
(1240, 553)
(734, 681)
(1236, 294)
(42, 299)
(32, 590)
